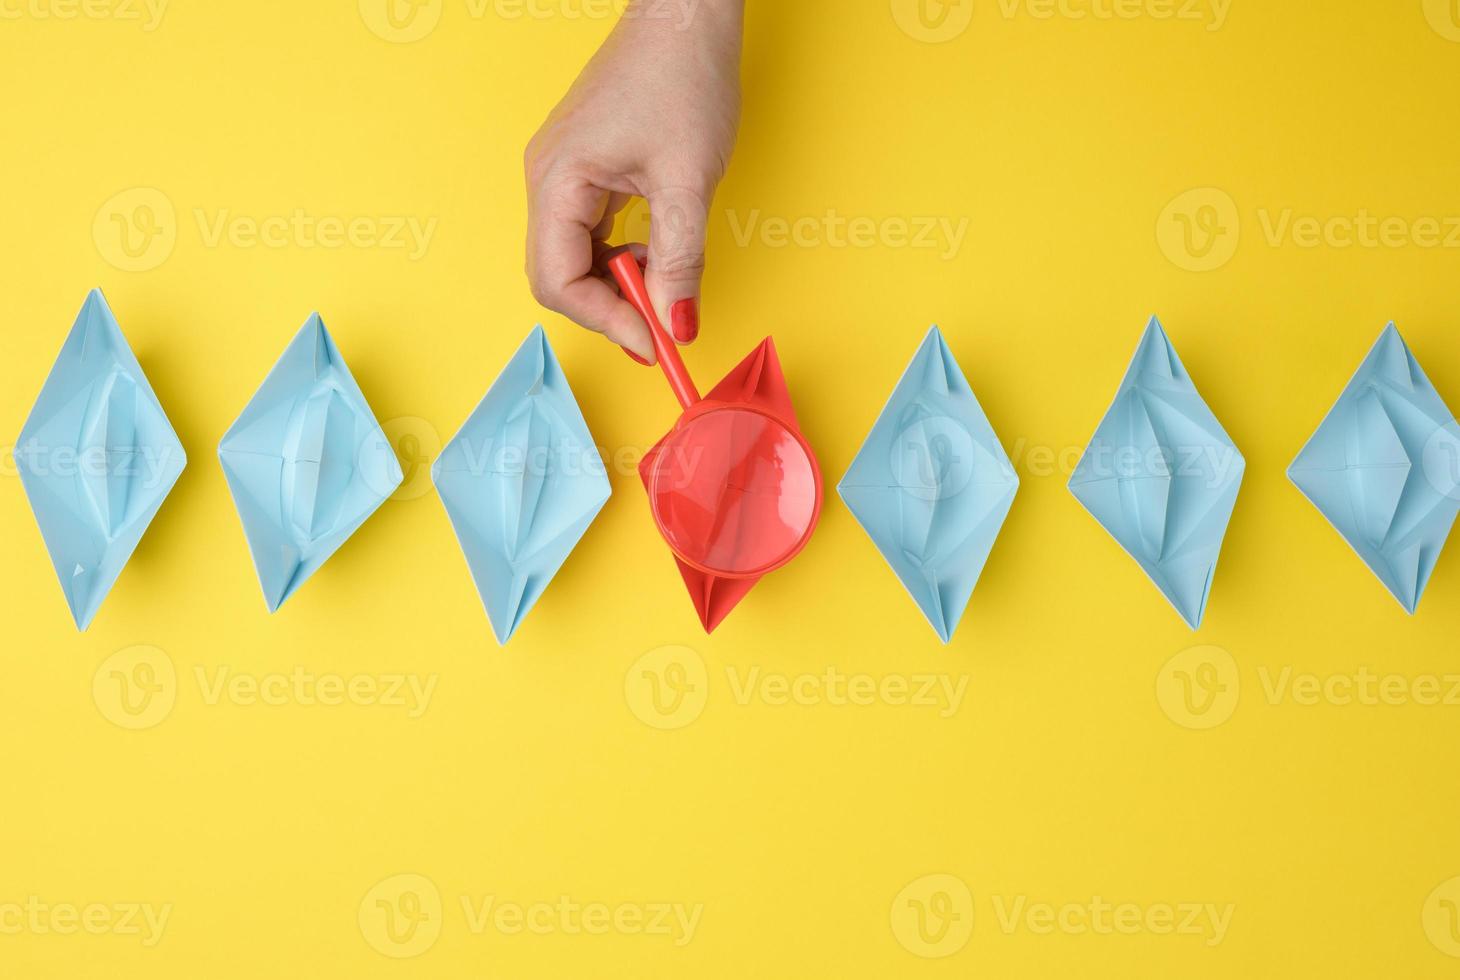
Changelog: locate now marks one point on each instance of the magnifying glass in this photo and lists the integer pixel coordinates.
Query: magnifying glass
(734, 487)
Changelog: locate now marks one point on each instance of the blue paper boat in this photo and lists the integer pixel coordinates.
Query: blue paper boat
(306, 463)
(97, 457)
(1161, 475)
(932, 486)
(521, 483)
(1384, 468)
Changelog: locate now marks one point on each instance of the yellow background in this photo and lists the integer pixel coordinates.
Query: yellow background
(1062, 776)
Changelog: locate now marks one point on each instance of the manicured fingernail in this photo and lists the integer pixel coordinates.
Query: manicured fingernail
(684, 320)
(636, 357)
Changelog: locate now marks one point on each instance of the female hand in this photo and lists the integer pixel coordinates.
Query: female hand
(653, 115)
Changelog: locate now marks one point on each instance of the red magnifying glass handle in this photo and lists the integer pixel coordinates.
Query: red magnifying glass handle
(625, 269)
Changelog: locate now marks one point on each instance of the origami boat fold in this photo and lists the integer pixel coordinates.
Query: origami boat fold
(97, 457)
(757, 382)
(1161, 475)
(931, 485)
(306, 463)
(1384, 468)
(521, 483)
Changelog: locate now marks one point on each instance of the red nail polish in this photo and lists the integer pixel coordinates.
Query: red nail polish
(636, 357)
(684, 320)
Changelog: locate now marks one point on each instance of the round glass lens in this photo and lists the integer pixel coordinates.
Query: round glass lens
(734, 491)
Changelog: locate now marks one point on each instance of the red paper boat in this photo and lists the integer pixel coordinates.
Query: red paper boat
(734, 487)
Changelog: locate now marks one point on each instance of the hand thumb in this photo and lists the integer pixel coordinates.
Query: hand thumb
(678, 218)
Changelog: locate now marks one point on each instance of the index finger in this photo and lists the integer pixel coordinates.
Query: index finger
(562, 215)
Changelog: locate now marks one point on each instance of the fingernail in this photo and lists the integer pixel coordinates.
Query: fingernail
(684, 320)
(636, 357)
